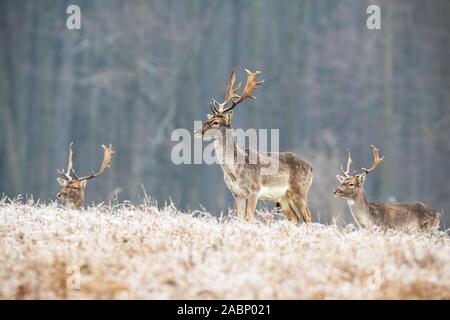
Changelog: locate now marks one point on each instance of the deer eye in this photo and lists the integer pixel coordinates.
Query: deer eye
(351, 184)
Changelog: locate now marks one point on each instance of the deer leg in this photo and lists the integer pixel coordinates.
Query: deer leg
(308, 212)
(240, 207)
(288, 211)
(300, 204)
(251, 206)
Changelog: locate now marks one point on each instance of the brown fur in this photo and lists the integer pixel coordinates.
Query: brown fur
(402, 216)
(73, 187)
(245, 180)
(72, 193)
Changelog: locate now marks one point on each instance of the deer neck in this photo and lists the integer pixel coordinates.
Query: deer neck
(359, 208)
(227, 150)
(75, 203)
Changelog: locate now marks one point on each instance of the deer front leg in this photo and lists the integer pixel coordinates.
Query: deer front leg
(252, 200)
(240, 207)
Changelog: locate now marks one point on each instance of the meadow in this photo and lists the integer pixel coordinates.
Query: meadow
(150, 252)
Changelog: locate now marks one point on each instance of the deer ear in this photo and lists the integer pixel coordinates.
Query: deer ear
(228, 117)
(340, 178)
(83, 184)
(209, 116)
(362, 177)
(61, 182)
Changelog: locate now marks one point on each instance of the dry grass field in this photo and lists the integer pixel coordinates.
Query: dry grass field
(145, 252)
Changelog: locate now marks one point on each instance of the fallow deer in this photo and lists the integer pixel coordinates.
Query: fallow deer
(287, 187)
(73, 187)
(402, 216)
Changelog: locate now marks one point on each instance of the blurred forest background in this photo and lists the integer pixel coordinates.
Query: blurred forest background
(139, 69)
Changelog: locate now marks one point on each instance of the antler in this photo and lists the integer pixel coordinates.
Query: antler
(69, 174)
(349, 163)
(376, 160)
(231, 89)
(250, 86)
(107, 155)
(214, 105)
(231, 93)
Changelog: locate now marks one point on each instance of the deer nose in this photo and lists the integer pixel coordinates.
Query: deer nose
(59, 195)
(336, 192)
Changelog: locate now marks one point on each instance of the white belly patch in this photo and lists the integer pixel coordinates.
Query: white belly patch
(272, 192)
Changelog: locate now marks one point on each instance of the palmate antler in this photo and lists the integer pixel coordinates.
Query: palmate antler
(106, 163)
(231, 95)
(349, 163)
(376, 160)
(70, 174)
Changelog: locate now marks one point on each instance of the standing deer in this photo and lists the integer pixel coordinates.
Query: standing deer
(73, 187)
(408, 215)
(287, 187)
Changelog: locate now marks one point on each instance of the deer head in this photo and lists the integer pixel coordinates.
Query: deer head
(73, 187)
(352, 186)
(222, 113)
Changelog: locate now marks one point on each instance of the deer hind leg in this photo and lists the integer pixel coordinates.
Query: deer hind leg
(300, 204)
(288, 210)
(251, 207)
